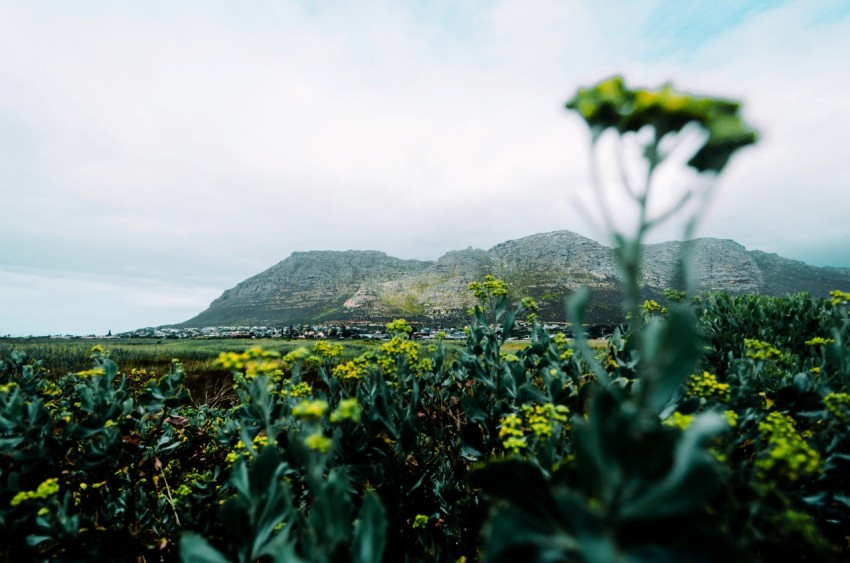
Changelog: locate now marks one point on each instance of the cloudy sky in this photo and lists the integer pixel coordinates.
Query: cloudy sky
(154, 154)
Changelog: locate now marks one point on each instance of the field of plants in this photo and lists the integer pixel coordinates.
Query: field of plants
(709, 427)
(736, 445)
(206, 380)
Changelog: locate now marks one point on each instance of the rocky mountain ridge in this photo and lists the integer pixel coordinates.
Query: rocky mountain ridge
(349, 286)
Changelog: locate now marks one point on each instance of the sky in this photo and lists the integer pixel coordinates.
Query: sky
(154, 154)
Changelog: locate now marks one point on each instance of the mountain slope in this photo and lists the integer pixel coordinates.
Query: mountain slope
(322, 286)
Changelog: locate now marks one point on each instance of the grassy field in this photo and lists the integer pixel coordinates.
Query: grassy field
(207, 382)
(204, 379)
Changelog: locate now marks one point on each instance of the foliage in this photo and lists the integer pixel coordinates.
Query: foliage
(618, 454)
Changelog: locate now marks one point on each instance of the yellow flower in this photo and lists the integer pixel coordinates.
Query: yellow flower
(758, 350)
(514, 444)
(396, 349)
(327, 349)
(348, 409)
(302, 389)
(253, 362)
(679, 420)
(786, 453)
(511, 426)
(651, 307)
(491, 287)
(399, 327)
(838, 404)
(310, 410)
(318, 442)
(707, 386)
(839, 297)
(819, 341)
(44, 490)
(354, 369)
(299, 354)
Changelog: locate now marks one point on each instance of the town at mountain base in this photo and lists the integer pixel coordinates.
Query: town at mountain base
(371, 287)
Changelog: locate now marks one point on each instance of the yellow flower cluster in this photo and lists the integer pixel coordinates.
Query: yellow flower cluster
(190, 481)
(399, 327)
(297, 355)
(310, 410)
(95, 372)
(328, 350)
(529, 304)
(318, 442)
(758, 350)
(394, 350)
(562, 343)
(48, 389)
(511, 433)
(610, 104)
(510, 358)
(44, 490)
(839, 297)
(424, 366)
(540, 417)
(682, 421)
(838, 404)
(354, 369)
(707, 387)
(675, 295)
(786, 454)
(253, 362)
(538, 420)
(679, 420)
(490, 287)
(819, 341)
(231, 457)
(299, 390)
(651, 307)
(259, 442)
(420, 521)
(348, 409)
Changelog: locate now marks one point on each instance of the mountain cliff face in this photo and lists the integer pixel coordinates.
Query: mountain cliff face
(324, 286)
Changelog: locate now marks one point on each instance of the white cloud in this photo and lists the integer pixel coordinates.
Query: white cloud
(56, 302)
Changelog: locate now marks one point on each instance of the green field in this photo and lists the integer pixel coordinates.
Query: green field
(204, 379)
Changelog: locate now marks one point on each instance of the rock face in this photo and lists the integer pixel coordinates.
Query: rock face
(308, 286)
(325, 286)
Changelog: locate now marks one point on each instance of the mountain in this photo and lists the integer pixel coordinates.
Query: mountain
(325, 286)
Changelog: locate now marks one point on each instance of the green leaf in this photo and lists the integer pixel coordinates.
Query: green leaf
(195, 549)
(669, 355)
(692, 479)
(370, 531)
